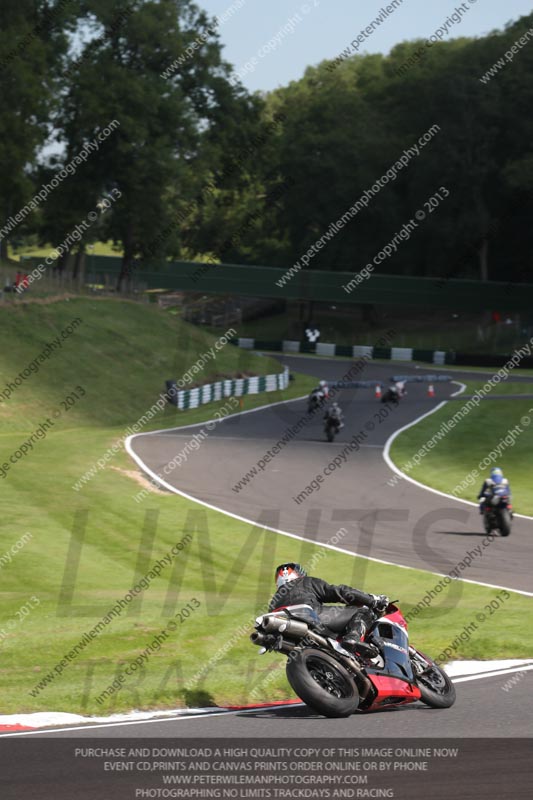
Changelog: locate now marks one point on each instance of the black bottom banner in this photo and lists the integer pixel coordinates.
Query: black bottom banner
(292, 769)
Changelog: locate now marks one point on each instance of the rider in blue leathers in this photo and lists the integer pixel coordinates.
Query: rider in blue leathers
(490, 484)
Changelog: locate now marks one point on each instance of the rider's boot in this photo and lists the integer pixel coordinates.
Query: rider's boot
(351, 641)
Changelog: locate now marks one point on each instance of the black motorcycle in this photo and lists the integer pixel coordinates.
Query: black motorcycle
(332, 427)
(497, 512)
(391, 396)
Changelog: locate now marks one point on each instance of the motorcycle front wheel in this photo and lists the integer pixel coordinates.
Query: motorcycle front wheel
(322, 683)
(436, 688)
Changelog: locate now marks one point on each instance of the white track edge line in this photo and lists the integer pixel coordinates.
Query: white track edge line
(221, 713)
(174, 490)
(225, 713)
(478, 677)
(388, 443)
(398, 471)
(218, 421)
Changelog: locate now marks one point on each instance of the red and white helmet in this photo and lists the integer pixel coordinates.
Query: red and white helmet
(288, 572)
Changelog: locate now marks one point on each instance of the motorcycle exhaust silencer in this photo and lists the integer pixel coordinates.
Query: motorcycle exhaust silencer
(257, 638)
(273, 623)
(284, 625)
(295, 628)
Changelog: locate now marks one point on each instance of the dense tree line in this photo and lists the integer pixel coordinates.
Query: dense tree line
(204, 170)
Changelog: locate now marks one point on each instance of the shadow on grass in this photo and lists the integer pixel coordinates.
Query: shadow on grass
(197, 698)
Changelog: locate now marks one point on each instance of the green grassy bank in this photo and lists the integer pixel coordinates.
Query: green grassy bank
(67, 557)
(498, 432)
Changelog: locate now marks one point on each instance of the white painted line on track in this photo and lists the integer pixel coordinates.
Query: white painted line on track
(138, 460)
(492, 674)
(221, 713)
(463, 667)
(398, 471)
(222, 419)
(225, 713)
(173, 489)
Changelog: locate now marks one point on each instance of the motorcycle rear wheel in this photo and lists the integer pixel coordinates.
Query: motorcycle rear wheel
(322, 683)
(436, 688)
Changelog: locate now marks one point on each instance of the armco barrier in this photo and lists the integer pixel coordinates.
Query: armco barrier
(236, 387)
(437, 357)
(346, 350)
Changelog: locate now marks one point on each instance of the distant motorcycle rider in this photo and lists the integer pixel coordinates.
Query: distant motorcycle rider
(490, 485)
(322, 389)
(295, 587)
(334, 413)
(318, 396)
(399, 386)
(394, 392)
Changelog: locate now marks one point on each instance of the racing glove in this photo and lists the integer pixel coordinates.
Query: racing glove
(379, 602)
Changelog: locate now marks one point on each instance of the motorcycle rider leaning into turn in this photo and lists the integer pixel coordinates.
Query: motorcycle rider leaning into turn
(322, 390)
(318, 396)
(490, 485)
(400, 388)
(295, 587)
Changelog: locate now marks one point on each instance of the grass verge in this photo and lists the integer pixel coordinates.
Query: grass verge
(498, 432)
(84, 551)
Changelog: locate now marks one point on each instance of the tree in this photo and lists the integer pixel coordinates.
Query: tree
(160, 75)
(33, 40)
(345, 126)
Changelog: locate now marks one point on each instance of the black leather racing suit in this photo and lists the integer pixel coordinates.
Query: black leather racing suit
(315, 592)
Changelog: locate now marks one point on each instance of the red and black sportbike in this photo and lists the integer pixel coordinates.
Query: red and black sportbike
(335, 682)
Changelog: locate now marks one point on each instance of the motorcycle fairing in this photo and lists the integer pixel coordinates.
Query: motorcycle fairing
(393, 641)
(391, 690)
(395, 615)
(395, 683)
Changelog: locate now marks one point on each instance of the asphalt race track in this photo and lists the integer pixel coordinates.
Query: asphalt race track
(402, 524)
(482, 710)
